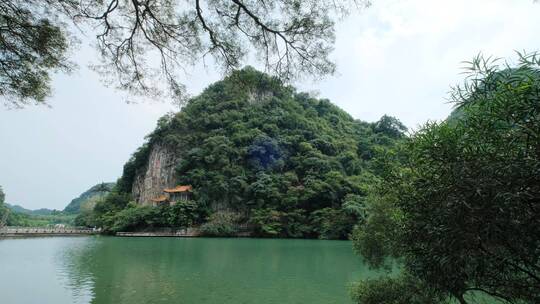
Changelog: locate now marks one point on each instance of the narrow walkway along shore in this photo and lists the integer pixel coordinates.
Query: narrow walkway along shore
(187, 232)
(38, 231)
(35, 231)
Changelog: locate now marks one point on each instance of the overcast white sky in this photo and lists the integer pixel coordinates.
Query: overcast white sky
(398, 57)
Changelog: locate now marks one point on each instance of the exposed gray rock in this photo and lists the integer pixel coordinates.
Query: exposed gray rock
(158, 174)
(259, 96)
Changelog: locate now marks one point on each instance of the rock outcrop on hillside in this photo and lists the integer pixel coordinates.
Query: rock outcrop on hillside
(158, 174)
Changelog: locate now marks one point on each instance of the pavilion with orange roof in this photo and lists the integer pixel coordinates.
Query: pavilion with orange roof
(174, 195)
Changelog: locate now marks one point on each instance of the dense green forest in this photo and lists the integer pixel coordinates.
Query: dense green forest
(282, 162)
(457, 204)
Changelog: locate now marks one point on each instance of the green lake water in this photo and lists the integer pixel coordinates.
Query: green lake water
(176, 270)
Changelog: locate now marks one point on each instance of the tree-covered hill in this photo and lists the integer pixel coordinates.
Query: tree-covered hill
(88, 199)
(259, 153)
(21, 209)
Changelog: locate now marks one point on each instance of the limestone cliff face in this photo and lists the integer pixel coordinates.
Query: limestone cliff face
(158, 174)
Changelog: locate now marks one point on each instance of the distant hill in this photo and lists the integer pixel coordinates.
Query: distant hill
(88, 199)
(20, 209)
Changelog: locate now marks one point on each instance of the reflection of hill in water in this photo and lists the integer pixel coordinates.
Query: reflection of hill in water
(207, 271)
(70, 260)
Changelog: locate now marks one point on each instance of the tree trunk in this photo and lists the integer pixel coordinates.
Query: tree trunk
(460, 298)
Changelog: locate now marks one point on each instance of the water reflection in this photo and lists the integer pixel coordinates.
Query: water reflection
(173, 270)
(30, 272)
(71, 260)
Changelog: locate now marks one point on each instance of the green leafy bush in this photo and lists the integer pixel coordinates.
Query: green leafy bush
(185, 214)
(394, 290)
(332, 223)
(221, 223)
(137, 217)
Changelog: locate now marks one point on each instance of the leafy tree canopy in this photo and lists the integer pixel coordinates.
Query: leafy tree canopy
(459, 203)
(289, 37)
(33, 43)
